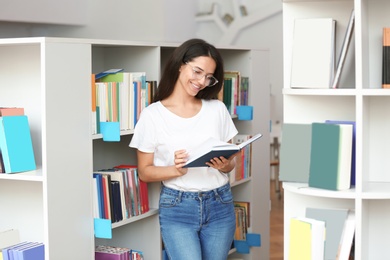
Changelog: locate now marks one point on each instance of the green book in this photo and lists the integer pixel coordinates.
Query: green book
(330, 156)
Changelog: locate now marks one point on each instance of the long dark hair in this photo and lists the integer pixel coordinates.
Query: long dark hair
(186, 52)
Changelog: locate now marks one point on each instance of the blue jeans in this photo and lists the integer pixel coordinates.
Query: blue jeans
(197, 225)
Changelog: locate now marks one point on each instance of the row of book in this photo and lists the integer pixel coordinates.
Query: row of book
(320, 154)
(242, 211)
(119, 96)
(104, 252)
(119, 193)
(243, 160)
(16, 147)
(323, 233)
(235, 91)
(24, 251)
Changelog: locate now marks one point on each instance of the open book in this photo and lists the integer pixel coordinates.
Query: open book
(215, 148)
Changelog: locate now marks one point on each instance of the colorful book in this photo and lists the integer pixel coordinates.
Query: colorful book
(330, 156)
(16, 145)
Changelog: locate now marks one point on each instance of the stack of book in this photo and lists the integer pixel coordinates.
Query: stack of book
(24, 251)
(117, 253)
(320, 154)
(323, 233)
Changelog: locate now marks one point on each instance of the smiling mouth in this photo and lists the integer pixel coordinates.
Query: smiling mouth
(196, 86)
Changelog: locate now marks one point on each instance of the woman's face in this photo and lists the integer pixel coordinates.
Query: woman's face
(196, 74)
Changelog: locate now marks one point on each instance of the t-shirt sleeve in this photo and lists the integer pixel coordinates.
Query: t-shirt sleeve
(144, 133)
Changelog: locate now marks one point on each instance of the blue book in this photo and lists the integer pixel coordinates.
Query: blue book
(8, 251)
(16, 144)
(100, 194)
(35, 251)
(107, 72)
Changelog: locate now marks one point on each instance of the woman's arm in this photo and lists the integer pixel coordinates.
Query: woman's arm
(148, 172)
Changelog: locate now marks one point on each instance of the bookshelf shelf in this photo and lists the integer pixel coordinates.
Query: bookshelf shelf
(24, 176)
(58, 196)
(151, 212)
(303, 188)
(360, 99)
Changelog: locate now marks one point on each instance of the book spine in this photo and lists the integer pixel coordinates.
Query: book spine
(386, 58)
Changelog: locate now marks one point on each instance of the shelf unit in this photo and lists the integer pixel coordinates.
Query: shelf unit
(361, 99)
(51, 79)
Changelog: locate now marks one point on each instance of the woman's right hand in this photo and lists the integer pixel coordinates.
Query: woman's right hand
(180, 160)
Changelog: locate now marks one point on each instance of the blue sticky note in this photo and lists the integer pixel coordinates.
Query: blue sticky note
(241, 246)
(111, 131)
(244, 112)
(102, 228)
(253, 239)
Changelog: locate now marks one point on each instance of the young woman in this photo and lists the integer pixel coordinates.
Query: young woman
(196, 208)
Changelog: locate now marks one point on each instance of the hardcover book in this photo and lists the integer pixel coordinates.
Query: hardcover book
(16, 144)
(313, 53)
(330, 157)
(215, 148)
(295, 153)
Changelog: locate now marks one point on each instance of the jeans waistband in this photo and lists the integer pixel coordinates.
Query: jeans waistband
(196, 194)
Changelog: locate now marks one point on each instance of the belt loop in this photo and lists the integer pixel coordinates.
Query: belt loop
(179, 196)
(216, 194)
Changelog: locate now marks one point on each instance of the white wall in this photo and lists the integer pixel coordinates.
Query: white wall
(166, 20)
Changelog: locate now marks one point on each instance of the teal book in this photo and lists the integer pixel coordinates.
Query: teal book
(16, 144)
(295, 153)
(330, 156)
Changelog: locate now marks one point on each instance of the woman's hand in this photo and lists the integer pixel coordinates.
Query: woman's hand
(222, 164)
(180, 160)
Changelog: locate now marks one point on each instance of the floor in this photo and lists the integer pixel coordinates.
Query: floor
(276, 224)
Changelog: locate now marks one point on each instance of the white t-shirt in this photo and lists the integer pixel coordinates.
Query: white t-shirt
(162, 132)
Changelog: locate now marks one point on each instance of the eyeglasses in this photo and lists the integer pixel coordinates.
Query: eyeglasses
(199, 74)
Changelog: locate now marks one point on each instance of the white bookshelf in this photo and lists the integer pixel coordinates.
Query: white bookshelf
(361, 99)
(51, 79)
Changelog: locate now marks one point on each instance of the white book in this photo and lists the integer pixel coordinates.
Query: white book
(9, 237)
(313, 53)
(347, 237)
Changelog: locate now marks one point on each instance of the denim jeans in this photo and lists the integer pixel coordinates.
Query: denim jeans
(197, 225)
